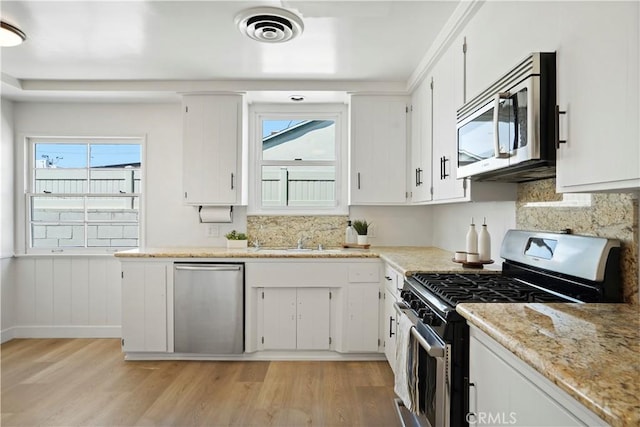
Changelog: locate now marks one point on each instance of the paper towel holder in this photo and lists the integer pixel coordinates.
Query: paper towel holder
(226, 219)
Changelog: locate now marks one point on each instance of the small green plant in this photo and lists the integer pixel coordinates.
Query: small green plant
(361, 227)
(234, 235)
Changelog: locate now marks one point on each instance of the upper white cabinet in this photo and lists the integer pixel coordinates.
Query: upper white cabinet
(598, 89)
(378, 150)
(420, 159)
(597, 80)
(447, 97)
(212, 148)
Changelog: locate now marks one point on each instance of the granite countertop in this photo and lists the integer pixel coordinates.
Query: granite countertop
(591, 351)
(406, 259)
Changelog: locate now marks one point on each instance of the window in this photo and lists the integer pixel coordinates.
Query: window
(84, 194)
(298, 161)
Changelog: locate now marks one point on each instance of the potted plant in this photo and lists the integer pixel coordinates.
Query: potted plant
(236, 240)
(362, 228)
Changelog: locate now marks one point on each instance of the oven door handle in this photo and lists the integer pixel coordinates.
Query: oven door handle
(430, 343)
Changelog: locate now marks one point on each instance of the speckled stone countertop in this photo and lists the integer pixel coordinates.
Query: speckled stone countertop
(591, 351)
(405, 259)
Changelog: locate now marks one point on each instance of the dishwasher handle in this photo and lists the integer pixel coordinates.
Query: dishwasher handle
(209, 267)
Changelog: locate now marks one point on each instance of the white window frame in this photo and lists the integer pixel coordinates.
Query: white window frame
(28, 185)
(260, 112)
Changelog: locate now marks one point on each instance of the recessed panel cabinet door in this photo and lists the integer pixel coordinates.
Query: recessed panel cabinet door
(362, 317)
(211, 142)
(279, 322)
(313, 319)
(378, 150)
(144, 306)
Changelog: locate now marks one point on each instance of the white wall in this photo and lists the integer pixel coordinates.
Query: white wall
(451, 223)
(167, 221)
(7, 288)
(397, 225)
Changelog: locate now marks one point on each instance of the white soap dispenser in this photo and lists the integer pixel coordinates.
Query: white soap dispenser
(484, 243)
(350, 234)
(472, 239)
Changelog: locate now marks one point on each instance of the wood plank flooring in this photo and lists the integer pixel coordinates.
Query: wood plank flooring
(86, 382)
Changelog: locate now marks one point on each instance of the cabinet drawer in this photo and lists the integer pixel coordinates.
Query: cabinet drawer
(365, 273)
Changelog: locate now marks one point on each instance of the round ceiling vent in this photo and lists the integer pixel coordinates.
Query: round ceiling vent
(269, 24)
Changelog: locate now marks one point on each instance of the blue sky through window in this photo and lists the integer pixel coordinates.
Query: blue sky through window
(75, 155)
(274, 126)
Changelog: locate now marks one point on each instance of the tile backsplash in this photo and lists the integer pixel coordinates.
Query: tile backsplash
(284, 231)
(611, 215)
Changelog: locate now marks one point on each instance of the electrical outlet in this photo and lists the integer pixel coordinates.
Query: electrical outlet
(213, 230)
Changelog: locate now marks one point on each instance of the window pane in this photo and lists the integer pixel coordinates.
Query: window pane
(56, 180)
(298, 186)
(57, 209)
(115, 155)
(298, 140)
(112, 235)
(60, 156)
(115, 181)
(113, 209)
(57, 236)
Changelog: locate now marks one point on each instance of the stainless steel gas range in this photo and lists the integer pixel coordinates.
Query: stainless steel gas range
(537, 267)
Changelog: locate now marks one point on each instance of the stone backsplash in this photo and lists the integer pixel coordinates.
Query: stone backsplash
(611, 215)
(284, 231)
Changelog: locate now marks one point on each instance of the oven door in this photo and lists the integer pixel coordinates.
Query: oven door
(501, 133)
(431, 381)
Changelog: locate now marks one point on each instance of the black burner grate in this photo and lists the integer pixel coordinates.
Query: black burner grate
(457, 288)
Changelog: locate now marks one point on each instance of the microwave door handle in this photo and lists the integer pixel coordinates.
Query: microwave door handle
(496, 124)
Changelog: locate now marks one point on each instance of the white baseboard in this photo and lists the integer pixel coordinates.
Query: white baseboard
(262, 356)
(7, 335)
(70, 331)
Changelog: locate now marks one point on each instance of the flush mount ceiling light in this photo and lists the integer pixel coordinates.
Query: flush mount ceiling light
(269, 24)
(10, 35)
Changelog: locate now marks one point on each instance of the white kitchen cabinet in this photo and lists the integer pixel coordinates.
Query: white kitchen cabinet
(390, 327)
(362, 320)
(420, 158)
(212, 149)
(505, 390)
(446, 92)
(378, 150)
(295, 319)
(144, 306)
(598, 88)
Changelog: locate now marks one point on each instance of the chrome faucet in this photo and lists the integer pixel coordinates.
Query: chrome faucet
(256, 244)
(301, 242)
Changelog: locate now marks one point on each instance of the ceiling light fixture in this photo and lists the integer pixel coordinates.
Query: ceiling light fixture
(296, 98)
(10, 35)
(269, 24)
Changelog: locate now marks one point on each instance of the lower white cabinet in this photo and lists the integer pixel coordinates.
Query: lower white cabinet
(389, 327)
(295, 318)
(361, 331)
(504, 390)
(144, 306)
(312, 305)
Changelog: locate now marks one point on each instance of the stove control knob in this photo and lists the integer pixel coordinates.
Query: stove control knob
(406, 295)
(422, 312)
(435, 321)
(416, 304)
(427, 318)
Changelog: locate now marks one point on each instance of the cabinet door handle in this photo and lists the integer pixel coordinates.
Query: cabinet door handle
(417, 177)
(557, 127)
(232, 179)
(388, 278)
(444, 167)
(391, 333)
(471, 416)
(358, 180)
(441, 166)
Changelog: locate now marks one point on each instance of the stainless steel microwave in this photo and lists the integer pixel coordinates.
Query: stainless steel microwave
(509, 131)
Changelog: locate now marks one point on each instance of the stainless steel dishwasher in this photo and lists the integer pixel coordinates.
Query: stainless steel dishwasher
(208, 308)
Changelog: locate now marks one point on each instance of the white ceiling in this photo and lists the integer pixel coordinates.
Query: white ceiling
(150, 49)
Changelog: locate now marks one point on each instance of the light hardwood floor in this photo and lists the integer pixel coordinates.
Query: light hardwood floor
(72, 382)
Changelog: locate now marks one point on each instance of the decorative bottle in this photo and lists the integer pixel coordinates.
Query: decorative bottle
(350, 234)
(484, 243)
(472, 239)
